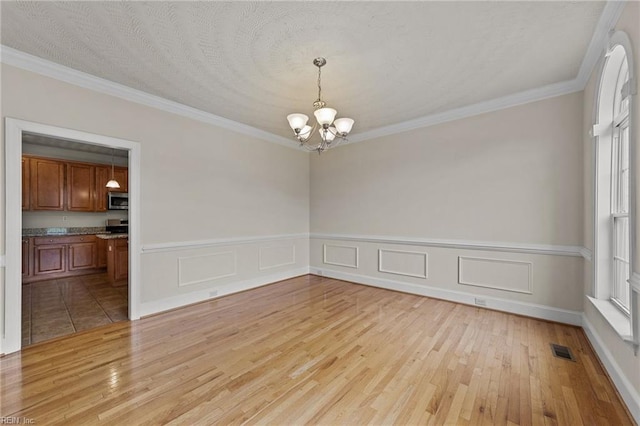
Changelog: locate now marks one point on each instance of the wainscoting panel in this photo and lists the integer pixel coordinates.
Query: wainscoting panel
(341, 255)
(185, 272)
(206, 267)
(401, 262)
(479, 274)
(275, 256)
(499, 274)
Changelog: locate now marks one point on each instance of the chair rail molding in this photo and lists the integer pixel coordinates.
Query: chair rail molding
(545, 249)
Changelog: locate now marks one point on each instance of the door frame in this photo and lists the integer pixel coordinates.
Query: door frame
(14, 128)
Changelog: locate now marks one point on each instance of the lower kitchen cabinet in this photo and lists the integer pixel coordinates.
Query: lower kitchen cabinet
(59, 256)
(50, 259)
(102, 253)
(26, 257)
(83, 255)
(118, 261)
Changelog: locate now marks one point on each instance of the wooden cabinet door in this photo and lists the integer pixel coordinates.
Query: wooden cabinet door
(121, 272)
(80, 187)
(83, 256)
(121, 175)
(50, 259)
(102, 253)
(26, 257)
(26, 184)
(47, 184)
(103, 174)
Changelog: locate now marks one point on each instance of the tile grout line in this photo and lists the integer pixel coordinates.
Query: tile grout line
(99, 304)
(66, 308)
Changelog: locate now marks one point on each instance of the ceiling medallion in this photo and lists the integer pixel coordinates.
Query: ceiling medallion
(332, 131)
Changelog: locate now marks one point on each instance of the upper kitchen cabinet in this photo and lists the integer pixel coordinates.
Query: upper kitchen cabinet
(121, 175)
(103, 175)
(47, 184)
(80, 187)
(26, 184)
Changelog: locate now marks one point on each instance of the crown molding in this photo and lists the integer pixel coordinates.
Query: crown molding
(527, 96)
(47, 68)
(598, 45)
(610, 15)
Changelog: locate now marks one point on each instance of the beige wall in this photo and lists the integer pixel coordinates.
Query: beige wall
(513, 175)
(198, 182)
(620, 352)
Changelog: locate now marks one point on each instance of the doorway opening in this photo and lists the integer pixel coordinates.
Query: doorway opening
(74, 241)
(63, 261)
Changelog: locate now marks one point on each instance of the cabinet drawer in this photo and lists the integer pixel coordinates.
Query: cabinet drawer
(65, 240)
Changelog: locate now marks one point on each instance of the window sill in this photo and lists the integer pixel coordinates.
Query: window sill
(616, 319)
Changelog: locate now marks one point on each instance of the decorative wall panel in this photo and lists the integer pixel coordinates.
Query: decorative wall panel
(401, 262)
(341, 255)
(508, 275)
(275, 256)
(207, 267)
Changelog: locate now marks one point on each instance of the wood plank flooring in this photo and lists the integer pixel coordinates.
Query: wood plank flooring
(313, 350)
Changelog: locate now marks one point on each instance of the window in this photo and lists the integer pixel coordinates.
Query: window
(620, 291)
(620, 295)
(613, 216)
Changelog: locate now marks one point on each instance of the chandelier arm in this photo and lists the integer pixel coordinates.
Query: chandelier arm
(311, 132)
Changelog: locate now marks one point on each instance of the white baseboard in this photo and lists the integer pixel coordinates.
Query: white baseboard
(521, 308)
(629, 394)
(157, 306)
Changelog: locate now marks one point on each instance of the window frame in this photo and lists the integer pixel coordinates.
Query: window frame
(608, 122)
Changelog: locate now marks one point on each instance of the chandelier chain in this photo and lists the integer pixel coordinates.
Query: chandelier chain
(319, 85)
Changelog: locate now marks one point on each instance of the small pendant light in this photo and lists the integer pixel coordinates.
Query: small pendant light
(113, 183)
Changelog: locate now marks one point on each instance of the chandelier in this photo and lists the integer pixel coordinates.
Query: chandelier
(332, 131)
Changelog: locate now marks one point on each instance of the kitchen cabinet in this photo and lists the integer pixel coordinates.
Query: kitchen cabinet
(102, 253)
(118, 261)
(49, 184)
(80, 187)
(26, 184)
(103, 175)
(82, 255)
(46, 184)
(26, 257)
(49, 258)
(62, 256)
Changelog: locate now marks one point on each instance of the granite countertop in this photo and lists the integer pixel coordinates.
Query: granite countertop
(45, 232)
(112, 236)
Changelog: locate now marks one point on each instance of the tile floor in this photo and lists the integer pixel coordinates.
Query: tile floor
(59, 307)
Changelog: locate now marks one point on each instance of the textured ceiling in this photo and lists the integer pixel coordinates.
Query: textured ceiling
(251, 62)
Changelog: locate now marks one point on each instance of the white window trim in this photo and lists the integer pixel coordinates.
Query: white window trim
(628, 328)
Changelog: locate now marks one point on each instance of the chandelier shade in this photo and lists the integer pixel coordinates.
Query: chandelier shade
(297, 121)
(343, 125)
(331, 131)
(325, 115)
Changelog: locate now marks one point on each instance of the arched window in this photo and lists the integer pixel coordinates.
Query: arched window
(620, 291)
(614, 190)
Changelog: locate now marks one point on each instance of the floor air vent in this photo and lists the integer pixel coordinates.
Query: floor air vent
(562, 352)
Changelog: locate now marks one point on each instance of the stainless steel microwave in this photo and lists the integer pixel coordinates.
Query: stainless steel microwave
(118, 201)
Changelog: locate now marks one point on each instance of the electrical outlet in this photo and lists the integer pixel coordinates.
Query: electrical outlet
(480, 302)
(64, 218)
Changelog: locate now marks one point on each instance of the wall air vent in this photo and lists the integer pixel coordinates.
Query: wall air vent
(560, 351)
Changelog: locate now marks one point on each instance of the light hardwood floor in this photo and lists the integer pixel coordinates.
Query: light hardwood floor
(313, 350)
